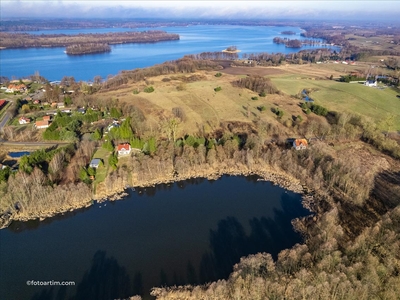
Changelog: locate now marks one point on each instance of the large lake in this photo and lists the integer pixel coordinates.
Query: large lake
(188, 232)
(53, 63)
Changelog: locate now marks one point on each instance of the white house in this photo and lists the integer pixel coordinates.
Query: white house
(124, 149)
(24, 120)
(95, 163)
(370, 83)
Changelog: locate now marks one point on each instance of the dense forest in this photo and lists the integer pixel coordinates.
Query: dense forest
(77, 49)
(25, 40)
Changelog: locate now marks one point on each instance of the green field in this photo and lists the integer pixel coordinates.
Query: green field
(371, 102)
(101, 171)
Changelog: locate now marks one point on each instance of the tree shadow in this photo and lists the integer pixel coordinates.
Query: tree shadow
(105, 279)
(230, 242)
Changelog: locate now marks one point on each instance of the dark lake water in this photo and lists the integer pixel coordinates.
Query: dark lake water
(188, 232)
(18, 154)
(53, 63)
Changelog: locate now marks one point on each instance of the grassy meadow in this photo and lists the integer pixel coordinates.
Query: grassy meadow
(376, 104)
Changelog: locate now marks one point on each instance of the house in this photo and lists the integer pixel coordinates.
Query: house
(24, 120)
(124, 149)
(95, 163)
(60, 105)
(46, 118)
(111, 126)
(53, 104)
(81, 110)
(370, 83)
(42, 124)
(300, 144)
(12, 88)
(36, 101)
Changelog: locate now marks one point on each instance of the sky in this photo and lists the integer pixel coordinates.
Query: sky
(311, 9)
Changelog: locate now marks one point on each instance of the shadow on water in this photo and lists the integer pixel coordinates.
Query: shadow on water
(151, 191)
(105, 279)
(230, 242)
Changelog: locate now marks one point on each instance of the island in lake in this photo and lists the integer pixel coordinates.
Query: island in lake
(231, 49)
(78, 49)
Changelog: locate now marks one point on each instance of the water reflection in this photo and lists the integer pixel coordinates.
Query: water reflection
(17, 226)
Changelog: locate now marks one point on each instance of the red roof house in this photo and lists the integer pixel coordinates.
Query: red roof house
(124, 149)
(300, 144)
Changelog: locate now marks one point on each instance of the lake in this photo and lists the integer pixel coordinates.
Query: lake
(192, 231)
(53, 63)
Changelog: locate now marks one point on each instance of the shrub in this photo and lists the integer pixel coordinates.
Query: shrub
(148, 89)
(278, 112)
(181, 87)
(254, 98)
(261, 108)
(113, 160)
(217, 89)
(288, 123)
(319, 110)
(263, 94)
(108, 145)
(299, 119)
(218, 74)
(136, 91)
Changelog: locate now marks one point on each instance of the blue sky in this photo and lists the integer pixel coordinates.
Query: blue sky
(339, 9)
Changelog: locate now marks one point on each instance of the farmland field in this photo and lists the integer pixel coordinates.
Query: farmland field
(374, 103)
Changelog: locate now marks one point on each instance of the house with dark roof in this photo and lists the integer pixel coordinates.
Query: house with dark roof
(95, 163)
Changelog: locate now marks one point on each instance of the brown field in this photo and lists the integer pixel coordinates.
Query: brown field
(260, 71)
(373, 43)
(204, 108)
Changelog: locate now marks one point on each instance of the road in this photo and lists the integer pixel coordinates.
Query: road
(32, 144)
(6, 117)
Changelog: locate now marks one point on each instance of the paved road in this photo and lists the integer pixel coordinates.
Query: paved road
(32, 144)
(6, 118)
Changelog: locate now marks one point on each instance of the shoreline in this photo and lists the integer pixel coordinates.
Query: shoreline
(279, 178)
